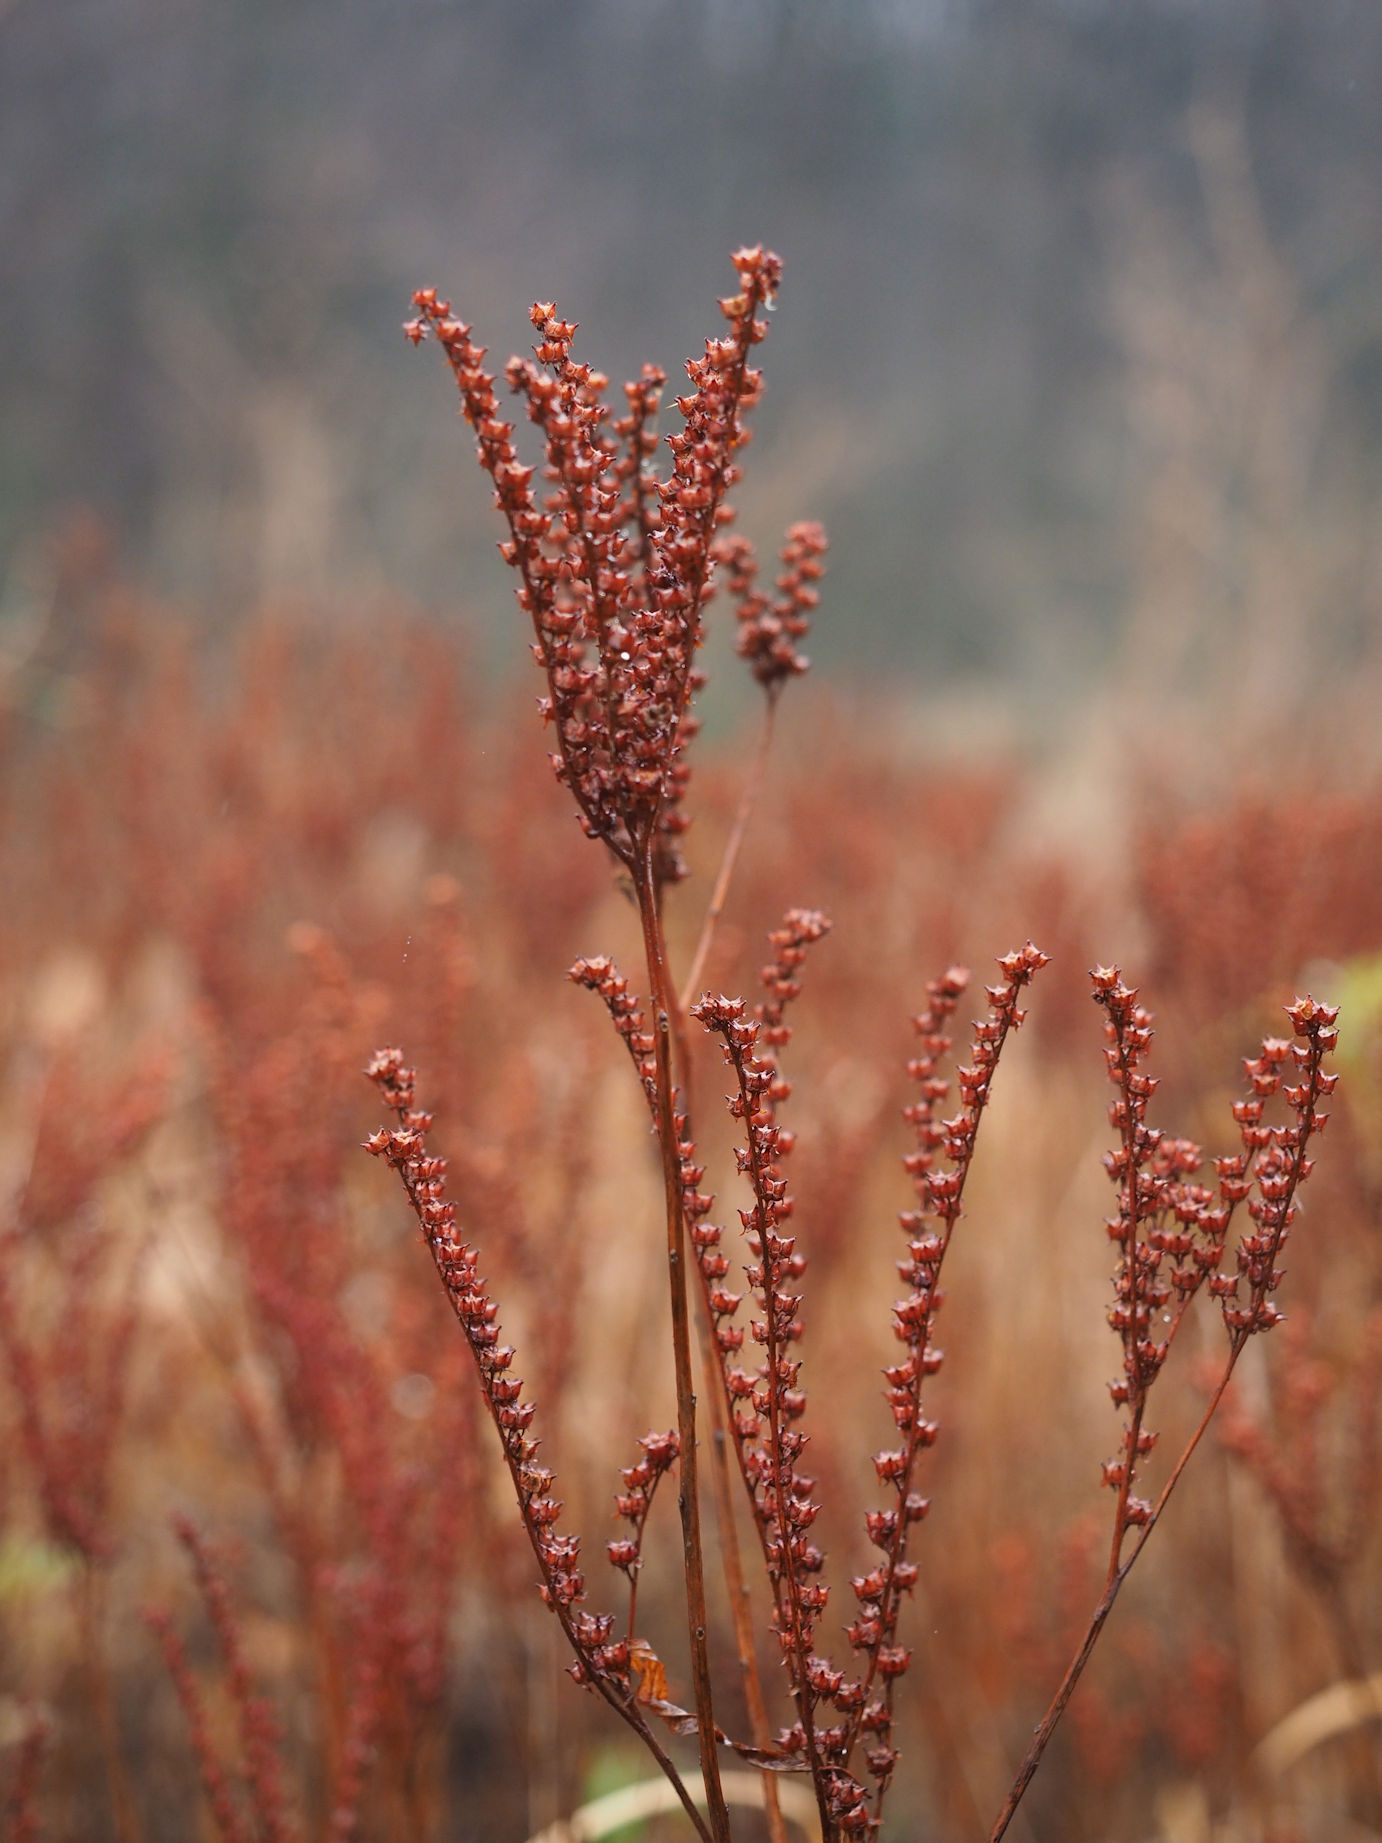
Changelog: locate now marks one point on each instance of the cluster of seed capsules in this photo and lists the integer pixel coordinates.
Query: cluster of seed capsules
(771, 625)
(615, 563)
(1172, 1231)
(600, 975)
(939, 1169)
(602, 1659)
(766, 1406)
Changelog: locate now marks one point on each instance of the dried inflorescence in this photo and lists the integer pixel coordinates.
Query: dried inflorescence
(762, 1406)
(1277, 1161)
(405, 1148)
(84, 1129)
(766, 1034)
(1292, 869)
(225, 1812)
(1172, 1237)
(770, 626)
(602, 1661)
(616, 567)
(602, 976)
(385, 1537)
(70, 1366)
(632, 1505)
(1172, 1232)
(1160, 1215)
(939, 1169)
(616, 564)
(765, 1408)
(800, 929)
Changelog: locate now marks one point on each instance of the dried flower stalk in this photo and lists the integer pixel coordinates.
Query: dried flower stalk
(616, 566)
(1164, 1220)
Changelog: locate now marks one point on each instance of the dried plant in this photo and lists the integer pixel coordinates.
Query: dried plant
(1172, 1235)
(616, 568)
(325, 843)
(615, 572)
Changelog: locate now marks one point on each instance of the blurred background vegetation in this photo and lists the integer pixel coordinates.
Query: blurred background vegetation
(1082, 326)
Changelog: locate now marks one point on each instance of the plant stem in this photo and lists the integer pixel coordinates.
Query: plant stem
(741, 1611)
(663, 1002)
(1049, 1721)
(748, 799)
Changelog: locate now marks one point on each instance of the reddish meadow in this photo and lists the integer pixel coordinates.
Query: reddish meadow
(244, 1457)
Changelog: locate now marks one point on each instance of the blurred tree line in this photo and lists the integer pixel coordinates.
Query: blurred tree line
(1024, 240)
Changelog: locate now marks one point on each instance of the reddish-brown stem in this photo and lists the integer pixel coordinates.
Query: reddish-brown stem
(1137, 1383)
(633, 1603)
(741, 1611)
(748, 799)
(1075, 1670)
(693, 1559)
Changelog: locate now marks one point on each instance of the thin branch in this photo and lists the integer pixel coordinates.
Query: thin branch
(748, 799)
(1075, 1670)
(740, 1606)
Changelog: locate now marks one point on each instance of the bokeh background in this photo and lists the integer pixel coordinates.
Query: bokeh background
(1083, 304)
(1079, 357)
